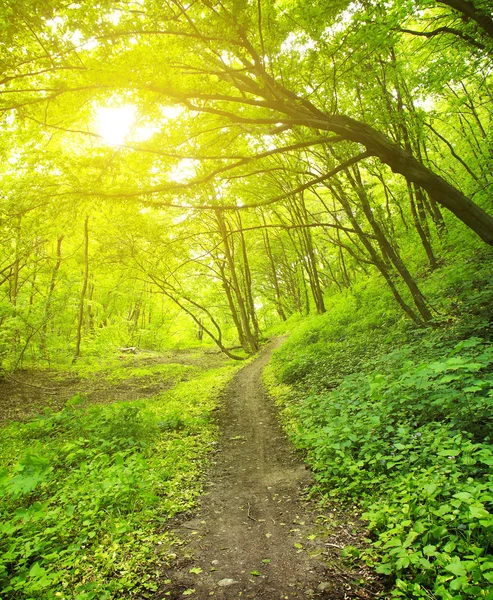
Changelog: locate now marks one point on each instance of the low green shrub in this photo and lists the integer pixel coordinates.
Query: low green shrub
(401, 423)
(84, 490)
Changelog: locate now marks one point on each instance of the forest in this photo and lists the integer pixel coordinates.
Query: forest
(188, 187)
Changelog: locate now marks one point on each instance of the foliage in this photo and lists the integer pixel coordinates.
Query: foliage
(171, 371)
(210, 213)
(405, 429)
(85, 489)
(276, 160)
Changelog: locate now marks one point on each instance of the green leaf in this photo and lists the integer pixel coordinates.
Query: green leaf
(477, 512)
(430, 488)
(456, 567)
(458, 583)
(36, 570)
(384, 568)
(449, 452)
(402, 563)
(430, 550)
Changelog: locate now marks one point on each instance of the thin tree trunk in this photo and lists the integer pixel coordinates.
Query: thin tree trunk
(307, 253)
(419, 225)
(80, 320)
(232, 306)
(51, 290)
(249, 335)
(272, 265)
(375, 258)
(387, 249)
(247, 280)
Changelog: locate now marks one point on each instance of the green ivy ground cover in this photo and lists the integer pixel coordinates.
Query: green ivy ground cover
(83, 491)
(400, 422)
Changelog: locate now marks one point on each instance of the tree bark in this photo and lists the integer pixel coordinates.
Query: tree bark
(388, 250)
(402, 162)
(483, 20)
(83, 291)
(249, 335)
(247, 280)
(272, 265)
(375, 258)
(51, 290)
(306, 252)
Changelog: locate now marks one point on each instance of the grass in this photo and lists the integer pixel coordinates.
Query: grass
(170, 371)
(84, 491)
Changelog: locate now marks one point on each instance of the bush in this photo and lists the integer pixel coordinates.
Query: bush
(400, 422)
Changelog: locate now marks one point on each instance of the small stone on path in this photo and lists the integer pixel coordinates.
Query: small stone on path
(324, 586)
(226, 582)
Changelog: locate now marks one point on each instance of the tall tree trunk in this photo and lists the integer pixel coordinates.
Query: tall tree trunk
(388, 250)
(420, 224)
(375, 258)
(200, 329)
(90, 313)
(307, 252)
(80, 320)
(232, 306)
(14, 280)
(272, 265)
(51, 291)
(247, 280)
(249, 335)
(292, 281)
(16, 267)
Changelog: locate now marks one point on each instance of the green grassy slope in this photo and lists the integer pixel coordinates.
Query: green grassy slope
(84, 491)
(400, 421)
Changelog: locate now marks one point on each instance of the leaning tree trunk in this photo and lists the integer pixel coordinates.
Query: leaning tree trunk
(377, 260)
(51, 291)
(402, 162)
(388, 250)
(304, 113)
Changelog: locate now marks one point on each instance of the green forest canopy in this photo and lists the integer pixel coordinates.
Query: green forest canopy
(214, 167)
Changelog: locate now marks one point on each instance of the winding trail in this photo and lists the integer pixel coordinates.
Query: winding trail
(253, 536)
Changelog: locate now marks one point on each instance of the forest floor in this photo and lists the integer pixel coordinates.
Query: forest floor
(256, 534)
(28, 392)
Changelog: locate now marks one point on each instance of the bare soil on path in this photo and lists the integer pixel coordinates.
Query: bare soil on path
(255, 535)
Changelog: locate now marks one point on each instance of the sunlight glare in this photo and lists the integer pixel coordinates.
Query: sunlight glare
(184, 171)
(114, 124)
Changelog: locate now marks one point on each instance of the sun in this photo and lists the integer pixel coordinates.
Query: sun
(115, 124)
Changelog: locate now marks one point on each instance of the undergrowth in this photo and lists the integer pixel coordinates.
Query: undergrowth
(84, 491)
(400, 421)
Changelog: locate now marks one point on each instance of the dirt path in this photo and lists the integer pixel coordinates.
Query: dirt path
(254, 536)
